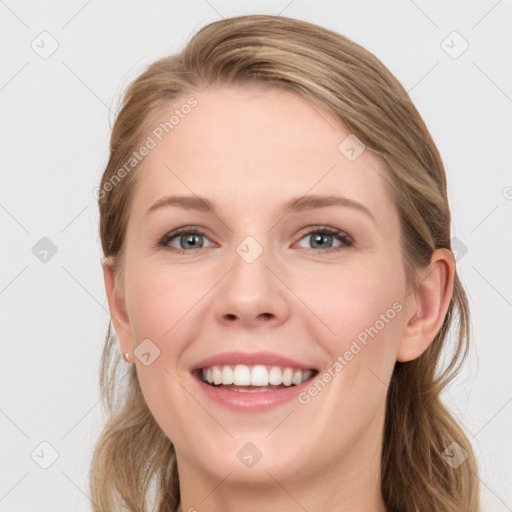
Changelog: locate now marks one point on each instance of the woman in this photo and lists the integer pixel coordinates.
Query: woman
(276, 232)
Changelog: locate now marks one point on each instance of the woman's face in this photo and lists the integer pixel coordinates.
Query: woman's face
(260, 283)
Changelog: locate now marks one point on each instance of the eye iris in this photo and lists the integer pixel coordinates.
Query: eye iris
(321, 238)
(193, 239)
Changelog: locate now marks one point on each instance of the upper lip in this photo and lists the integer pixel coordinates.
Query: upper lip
(250, 359)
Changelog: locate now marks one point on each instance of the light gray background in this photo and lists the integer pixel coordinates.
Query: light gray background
(55, 120)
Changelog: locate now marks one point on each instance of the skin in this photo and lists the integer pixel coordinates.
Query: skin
(249, 150)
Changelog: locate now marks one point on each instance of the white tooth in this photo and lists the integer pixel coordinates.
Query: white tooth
(287, 376)
(242, 375)
(227, 375)
(217, 375)
(306, 374)
(259, 376)
(275, 376)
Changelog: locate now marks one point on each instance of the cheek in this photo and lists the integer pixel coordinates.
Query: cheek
(163, 307)
(349, 300)
(161, 302)
(161, 310)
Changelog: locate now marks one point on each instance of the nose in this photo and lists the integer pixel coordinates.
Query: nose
(251, 294)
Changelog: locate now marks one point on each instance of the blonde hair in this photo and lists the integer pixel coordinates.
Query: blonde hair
(134, 462)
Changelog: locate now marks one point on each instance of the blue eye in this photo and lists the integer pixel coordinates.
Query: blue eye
(186, 238)
(321, 239)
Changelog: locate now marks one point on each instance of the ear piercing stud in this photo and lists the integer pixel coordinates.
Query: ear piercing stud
(126, 357)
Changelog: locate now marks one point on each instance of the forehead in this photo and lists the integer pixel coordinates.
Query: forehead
(253, 145)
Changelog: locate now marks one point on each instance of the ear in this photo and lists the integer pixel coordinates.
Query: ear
(427, 305)
(117, 306)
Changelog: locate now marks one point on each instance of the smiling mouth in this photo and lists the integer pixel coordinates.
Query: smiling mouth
(253, 378)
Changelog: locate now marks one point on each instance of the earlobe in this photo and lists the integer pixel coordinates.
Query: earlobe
(117, 308)
(427, 305)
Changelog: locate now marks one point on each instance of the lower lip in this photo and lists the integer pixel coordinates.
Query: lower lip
(257, 401)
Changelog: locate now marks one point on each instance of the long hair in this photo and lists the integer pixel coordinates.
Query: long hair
(134, 463)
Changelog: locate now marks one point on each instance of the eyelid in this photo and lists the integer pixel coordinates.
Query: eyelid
(324, 228)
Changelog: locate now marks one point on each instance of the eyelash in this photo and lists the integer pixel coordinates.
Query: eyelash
(346, 240)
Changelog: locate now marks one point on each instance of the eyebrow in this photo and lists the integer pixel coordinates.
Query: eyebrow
(297, 204)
